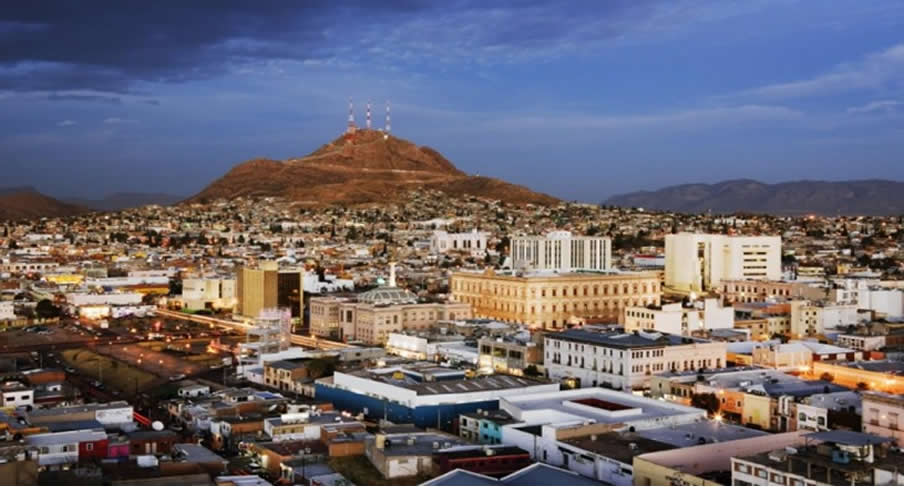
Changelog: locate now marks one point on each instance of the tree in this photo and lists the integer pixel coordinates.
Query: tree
(531, 371)
(320, 368)
(46, 309)
(706, 401)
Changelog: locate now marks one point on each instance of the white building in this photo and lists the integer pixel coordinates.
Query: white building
(868, 294)
(7, 311)
(699, 262)
(677, 319)
(15, 394)
(625, 361)
(809, 318)
(120, 299)
(63, 448)
(561, 252)
(864, 343)
(545, 421)
(213, 293)
(473, 242)
(330, 283)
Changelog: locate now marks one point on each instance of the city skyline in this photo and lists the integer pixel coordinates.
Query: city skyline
(628, 96)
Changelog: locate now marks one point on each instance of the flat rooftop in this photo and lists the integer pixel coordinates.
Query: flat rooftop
(699, 432)
(595, 404)
(622, 447)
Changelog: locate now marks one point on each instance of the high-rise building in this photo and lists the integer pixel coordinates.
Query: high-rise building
(700, 262)
(560, 251)
(267, 287)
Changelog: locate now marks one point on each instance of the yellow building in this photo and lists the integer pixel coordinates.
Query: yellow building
(757, 410)
(549, 301)
(65, 279)
(268, 287)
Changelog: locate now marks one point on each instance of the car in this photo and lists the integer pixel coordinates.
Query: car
(177, 377)
(70, 370)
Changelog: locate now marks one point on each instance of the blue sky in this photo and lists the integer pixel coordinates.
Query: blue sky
(579, 99)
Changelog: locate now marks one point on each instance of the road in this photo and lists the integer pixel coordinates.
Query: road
(304, 341)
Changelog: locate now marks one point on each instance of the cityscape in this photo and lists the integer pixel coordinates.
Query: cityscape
(356, 308)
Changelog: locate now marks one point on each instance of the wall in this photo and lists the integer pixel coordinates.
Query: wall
(662, 468)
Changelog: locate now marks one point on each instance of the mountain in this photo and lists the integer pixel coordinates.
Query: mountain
(27, 202)
(865, 197)
(364, 167)
(121, 201)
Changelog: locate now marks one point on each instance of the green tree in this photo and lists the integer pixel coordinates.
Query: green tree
(707, 401)
(46, 309)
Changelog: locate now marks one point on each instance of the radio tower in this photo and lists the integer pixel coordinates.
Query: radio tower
(368, 115)
(351, 118)
(388, 124)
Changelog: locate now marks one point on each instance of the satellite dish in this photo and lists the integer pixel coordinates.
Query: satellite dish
(157, 425)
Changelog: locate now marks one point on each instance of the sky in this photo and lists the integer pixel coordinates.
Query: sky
(579, 99)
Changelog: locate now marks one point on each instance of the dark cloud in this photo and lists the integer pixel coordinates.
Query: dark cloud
(107, 45)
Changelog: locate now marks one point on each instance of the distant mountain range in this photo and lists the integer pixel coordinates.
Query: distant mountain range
(367, 166)
(865, 197)
(26, 202)
(121, 201)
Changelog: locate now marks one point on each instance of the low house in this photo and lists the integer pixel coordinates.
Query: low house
(68, 447)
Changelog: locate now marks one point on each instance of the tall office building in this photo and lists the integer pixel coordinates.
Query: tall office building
(560, 251)
(268, 287)
(700, 262)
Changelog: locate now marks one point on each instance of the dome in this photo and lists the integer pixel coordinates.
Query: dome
(387, 295)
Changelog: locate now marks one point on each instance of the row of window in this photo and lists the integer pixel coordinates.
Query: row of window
(595, 290)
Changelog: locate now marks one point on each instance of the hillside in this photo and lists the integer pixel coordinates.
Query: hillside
(361, 168)
(121, 201)
(27, 202)
(866, 197)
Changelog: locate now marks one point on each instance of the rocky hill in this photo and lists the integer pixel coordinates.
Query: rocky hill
(27, 202)
(363, 167)
(866, 197)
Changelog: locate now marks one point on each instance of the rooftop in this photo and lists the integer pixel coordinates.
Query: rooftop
(577, 406)
(620, 339)
(698, 433)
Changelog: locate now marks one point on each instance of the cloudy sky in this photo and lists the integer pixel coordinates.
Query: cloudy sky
(578, 99)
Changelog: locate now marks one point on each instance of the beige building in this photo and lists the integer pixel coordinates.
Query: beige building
(883, 415)
(700, 262)
(373, 315)
(764, 328)
(749, 291)
(550, 301)
(268, 287)
(208, 293)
